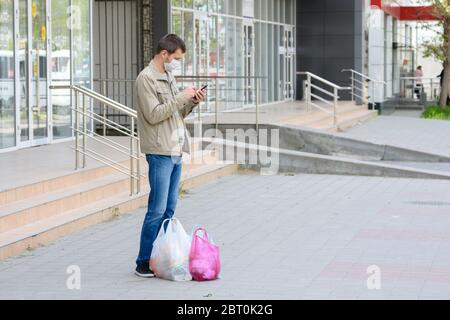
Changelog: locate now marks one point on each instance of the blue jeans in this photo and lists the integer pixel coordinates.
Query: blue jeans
(164, 177)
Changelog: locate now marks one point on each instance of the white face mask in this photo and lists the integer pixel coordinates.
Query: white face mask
(172, 66)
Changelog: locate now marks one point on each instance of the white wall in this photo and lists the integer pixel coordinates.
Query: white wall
(376, 51)
(388, 34)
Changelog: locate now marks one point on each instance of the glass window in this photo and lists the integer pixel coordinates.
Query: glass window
(201, 5)
(22, 51)
(239, 83)
(213, 5)
(177, 3)
(222, 6)
(221, 59)
(177, 23)
(188, 26)
(7, 109)
(231, 9)
(230, 62)
(38, 88)
(61, 112)
(213, 46)
(81, 44)
(177, 28)
(238, 9)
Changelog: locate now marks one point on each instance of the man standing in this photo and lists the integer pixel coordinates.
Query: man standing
(418, 80)
(161, 110)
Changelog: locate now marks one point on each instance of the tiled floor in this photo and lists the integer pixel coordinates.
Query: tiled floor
(303, 236)
(406, 132)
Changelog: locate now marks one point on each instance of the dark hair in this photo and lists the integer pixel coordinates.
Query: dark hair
(171, 43)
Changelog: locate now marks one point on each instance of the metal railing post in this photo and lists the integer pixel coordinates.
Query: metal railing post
(216, 90)
(103, 85)
(257, 106)
(77, 131)
(335, 106)
(84, 129)
(138, 155)
(353, 85)
(373, 96)
(308, 92)
(431, 89)
(132, 157)
(200, 125)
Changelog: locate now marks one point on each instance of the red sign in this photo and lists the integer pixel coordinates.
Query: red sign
(415, 13)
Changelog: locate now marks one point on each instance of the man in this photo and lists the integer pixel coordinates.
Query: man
(161, 110)
(418, 80)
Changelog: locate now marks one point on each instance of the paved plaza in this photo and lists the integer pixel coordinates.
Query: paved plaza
(281, 237)
(425, 135)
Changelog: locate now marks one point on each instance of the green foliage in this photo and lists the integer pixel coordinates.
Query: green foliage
(436, 112)
(436, 47)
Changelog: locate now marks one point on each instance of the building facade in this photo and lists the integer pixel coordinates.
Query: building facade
(104, 44)
(42, 43)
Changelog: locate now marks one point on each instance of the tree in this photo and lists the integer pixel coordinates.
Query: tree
(439, 47)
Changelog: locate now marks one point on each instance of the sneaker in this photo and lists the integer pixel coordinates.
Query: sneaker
(143, 270)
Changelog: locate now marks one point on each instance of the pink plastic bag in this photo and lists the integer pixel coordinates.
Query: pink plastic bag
(204, 261)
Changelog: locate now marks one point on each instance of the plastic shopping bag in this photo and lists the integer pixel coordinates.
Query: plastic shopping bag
(204, 260)
(170, 254)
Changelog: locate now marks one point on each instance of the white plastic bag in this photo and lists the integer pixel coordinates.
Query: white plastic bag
(170, 254)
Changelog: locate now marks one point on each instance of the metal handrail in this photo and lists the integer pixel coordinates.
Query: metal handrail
(314, 76)
(83, 115)
(363, 75)
(419, 78)
(196, 78)
(431, 82)
(355, 81)
(334, 94)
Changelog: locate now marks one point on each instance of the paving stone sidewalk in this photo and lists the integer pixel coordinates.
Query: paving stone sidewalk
(281, 237)
(406, 132)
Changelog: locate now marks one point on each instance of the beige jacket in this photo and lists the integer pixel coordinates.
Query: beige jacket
(161, 110)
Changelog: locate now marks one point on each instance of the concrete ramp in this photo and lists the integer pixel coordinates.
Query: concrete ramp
(278, 160)
(323, 143)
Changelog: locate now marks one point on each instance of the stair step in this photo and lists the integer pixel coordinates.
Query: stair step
(68, 180)
(345, 121)
(57, 202)
(15, 214)
(32, 235)
(317, 116)
(356, 119)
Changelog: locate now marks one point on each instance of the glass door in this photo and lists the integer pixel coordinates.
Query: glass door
(249, 64)
(201, 45)
(33, 119)
(22, 54)
(201, 48)
(289, 63)
(38, 87)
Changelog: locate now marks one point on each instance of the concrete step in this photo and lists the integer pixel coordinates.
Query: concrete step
(354, 119)
(71, 179)
(51, 227)
(344, 120)
(305, 162)
(45, 205)
(309, 119)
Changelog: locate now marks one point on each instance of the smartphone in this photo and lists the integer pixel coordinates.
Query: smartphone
(204, 86)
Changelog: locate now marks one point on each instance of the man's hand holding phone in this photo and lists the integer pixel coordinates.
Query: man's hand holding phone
(200, 94)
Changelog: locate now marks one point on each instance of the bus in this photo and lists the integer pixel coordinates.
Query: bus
(6, 80)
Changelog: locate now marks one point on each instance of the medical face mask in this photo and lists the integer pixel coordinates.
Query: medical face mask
(172, 66)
